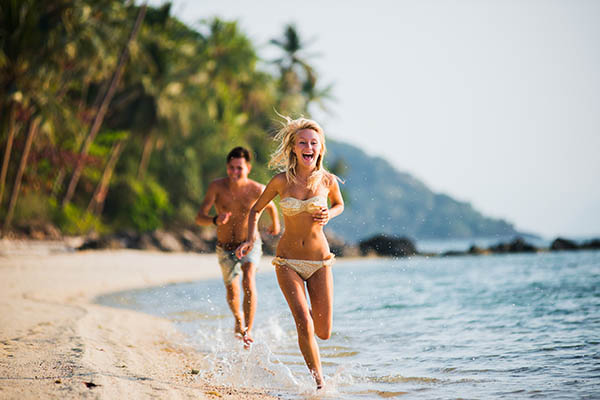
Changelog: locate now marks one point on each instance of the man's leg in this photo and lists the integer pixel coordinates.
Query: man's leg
(250, 296)
(233, 299)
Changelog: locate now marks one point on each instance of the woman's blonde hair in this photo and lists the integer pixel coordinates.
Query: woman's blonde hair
(284, 159)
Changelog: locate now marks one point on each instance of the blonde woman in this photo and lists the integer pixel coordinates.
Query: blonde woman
(303, 256)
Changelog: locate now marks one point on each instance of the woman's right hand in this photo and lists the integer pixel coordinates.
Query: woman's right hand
(243, 249)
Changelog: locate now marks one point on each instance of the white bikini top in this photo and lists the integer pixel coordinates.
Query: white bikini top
(292, 206)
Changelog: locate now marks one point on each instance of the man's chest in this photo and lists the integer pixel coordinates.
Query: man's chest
(236, 201)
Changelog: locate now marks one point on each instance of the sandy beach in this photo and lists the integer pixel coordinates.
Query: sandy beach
(56, 343)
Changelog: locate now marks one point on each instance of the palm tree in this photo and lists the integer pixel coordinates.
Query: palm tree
(97, 203)
(298, 79)
(99, 118)
(32, 44)
(8, 149)
(33, 129)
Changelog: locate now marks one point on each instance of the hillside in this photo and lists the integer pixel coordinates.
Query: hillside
(381, 199)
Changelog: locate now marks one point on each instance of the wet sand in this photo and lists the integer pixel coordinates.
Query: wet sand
(56, 343)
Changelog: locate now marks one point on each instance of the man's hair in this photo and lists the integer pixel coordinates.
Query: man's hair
(239, 152)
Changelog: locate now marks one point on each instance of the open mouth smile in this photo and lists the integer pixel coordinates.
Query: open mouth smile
(308, 156)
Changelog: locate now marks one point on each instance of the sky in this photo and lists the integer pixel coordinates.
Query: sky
(496, 103)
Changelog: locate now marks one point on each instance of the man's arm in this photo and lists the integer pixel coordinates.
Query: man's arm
(202, 218)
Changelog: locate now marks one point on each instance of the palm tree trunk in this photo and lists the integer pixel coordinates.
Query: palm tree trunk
(58, 182)
(148, 146)
(7, 152)
(33, 128)
(97, 203)
(103, 108)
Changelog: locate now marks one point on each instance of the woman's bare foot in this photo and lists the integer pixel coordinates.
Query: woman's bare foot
(318, 380)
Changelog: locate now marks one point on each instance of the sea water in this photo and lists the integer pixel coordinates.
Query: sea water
(472, 327)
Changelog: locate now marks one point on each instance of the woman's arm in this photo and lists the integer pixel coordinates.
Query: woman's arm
(265, 198)
(336, 199)
(323, 216)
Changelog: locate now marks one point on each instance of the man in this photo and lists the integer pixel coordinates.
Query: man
(233, 197)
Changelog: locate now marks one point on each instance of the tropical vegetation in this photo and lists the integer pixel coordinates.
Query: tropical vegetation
(116, 116)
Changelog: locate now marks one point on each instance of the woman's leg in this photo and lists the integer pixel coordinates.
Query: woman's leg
(292, 287)
(320, 290)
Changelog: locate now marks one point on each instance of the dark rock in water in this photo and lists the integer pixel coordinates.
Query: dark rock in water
(450, 253)
(593, 244)
(563, 244)
(390, 246)
(476, 250)
(518, 245)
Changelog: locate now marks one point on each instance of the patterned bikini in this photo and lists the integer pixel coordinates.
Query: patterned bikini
(292, 206)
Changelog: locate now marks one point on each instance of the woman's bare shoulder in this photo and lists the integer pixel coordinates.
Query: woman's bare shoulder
(279, 179)
(330, 180)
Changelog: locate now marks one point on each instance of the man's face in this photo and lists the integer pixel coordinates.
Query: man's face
(238, 169)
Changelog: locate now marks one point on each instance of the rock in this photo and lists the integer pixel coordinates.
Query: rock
(52, 232)
(146, 242)
(337, 245)
(476, 250)
(390, 246)
(192, 242)
(518, 245)
(269, 243)
(593, 244)
(451, 253)
(209, 236)
(130, 239)
(563, 244)
(104, 242)
(167, 241)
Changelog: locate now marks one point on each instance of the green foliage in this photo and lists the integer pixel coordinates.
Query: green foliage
(32, 209)
(72, 220)
(138, 205)
(186, 97)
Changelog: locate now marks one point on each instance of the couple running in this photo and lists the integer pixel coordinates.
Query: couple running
(303, 260)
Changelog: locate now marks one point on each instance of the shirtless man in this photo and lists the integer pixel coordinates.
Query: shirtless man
(233, 197)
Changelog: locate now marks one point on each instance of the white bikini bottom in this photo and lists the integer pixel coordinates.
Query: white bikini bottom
(304, 268)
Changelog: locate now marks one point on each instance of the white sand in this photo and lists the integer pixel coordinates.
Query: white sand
(55, 343)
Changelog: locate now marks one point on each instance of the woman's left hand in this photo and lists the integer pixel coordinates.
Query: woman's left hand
(322, 216)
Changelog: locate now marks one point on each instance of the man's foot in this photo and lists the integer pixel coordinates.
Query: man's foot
(247, 339)
(244, 335)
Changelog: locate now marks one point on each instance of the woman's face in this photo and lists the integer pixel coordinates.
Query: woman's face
(307, 147)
